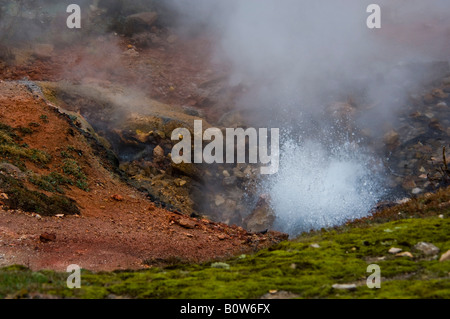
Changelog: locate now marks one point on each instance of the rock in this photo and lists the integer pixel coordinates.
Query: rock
(139, 22)
(439, 94)
(404, 254)
(442, 104)
(229, 181)
(429, 99)
(225, 173)
(314, 245)
(391, 139)
(220, 265)
(131, 53)
(186, 223)
(344, 286)
(416, 191)
(262, 217)
(445, 256)
(409, 183)
(282, 294)
(394, 250)
(427, 248)
(12, 170)
(47, 237)
(219, 200)
(179, 182)
(158, 154)
(117, 197)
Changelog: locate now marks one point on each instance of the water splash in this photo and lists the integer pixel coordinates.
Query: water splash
(317, 187)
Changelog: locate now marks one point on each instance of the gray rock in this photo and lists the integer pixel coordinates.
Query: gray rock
(229, 181)
(394, 250)
(427, 248)
(262, 217)
(139, 22)
(12, 170)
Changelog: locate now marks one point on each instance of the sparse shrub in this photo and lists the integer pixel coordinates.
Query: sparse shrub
(44, 118)
(51, 183)
(19, 197)
(72, 168)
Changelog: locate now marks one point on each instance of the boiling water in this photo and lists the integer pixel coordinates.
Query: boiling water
(317, 187)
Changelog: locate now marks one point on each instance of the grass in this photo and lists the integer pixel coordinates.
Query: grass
(19, 197)
(292, 266)
(12, 150)
(54, 182)
(72, 168)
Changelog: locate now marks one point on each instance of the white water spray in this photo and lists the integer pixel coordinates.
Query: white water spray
(317, 188)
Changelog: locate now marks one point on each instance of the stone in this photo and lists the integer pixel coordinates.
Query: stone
(445, 256)
(229, 181)
(409, 183)
(391, 139)
(47, 237)
(394, 250)
(12, 170)
(282, 294)
(186, 223)
(314, 245)
(262, 217)
(179, 182)
(139, 22)
(225, 173)
(344, 286)
(158, 154)
(439, 93)
(219, 200)
(429, 99)
(416, 191)
(117, 197)
(220, 265)
(427, 248)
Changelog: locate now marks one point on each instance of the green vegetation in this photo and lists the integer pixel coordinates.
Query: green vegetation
(51, 183)
(294, 266)
(72, 168)
(19, 197)
(11, 150)
(44, 118)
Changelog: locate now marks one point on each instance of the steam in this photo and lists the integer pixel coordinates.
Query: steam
(298, 57)
(318, 188)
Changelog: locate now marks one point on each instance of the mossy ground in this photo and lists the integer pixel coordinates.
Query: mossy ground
(294, 266)
(14, 151)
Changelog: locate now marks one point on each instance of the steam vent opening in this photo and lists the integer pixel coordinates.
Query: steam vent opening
(218, 127)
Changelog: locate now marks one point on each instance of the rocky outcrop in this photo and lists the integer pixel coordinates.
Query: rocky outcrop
(262, 217)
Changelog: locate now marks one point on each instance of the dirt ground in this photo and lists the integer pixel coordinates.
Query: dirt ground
(127, 232)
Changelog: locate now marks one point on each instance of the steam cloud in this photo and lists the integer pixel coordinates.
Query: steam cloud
(298, 57)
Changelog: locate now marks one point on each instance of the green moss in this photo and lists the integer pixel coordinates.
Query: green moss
(19, 197)
(293, 266)
(72, 168)
(51, 183)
